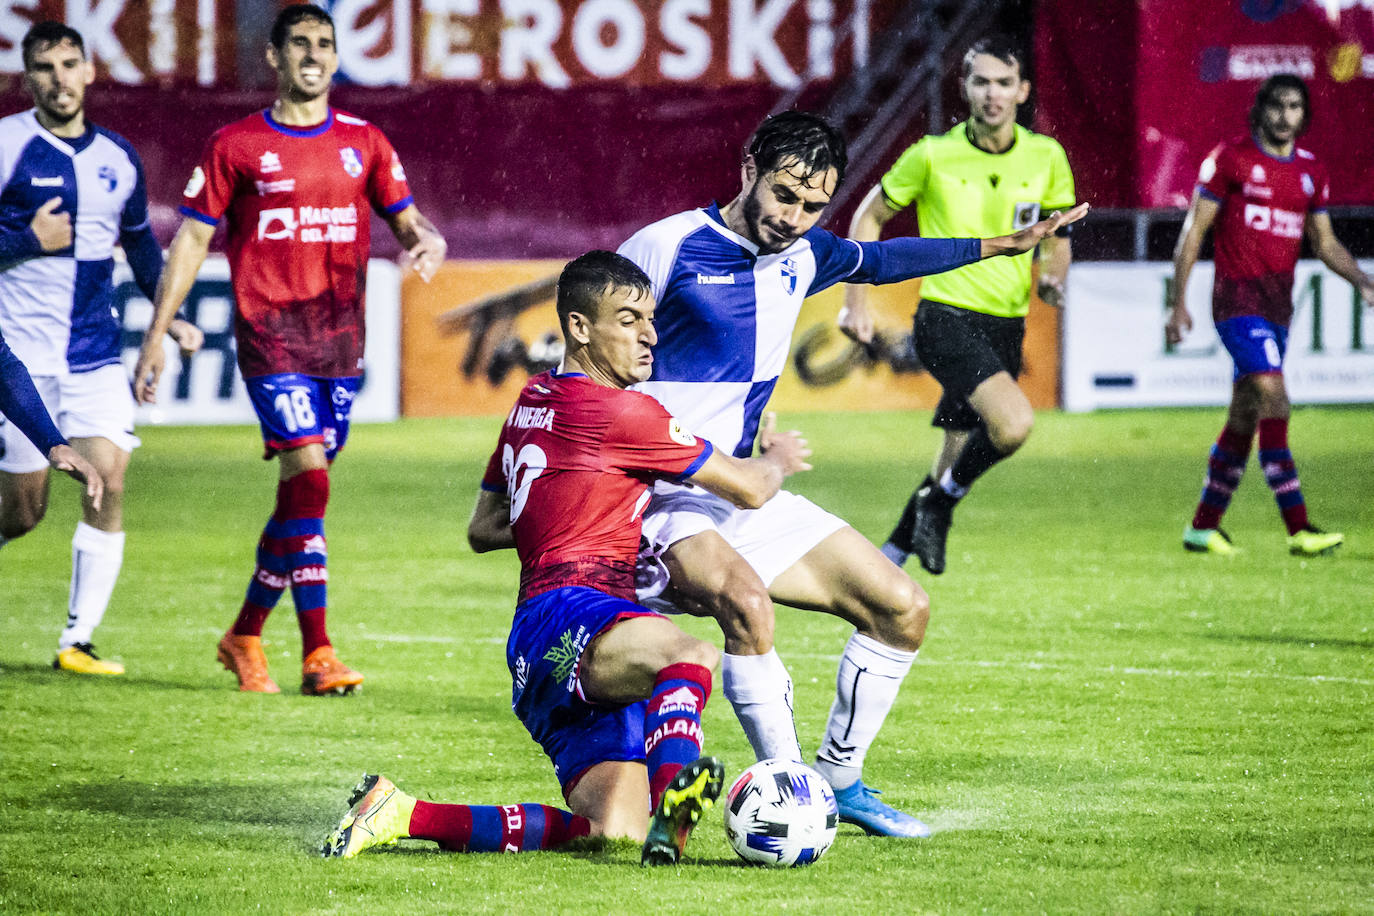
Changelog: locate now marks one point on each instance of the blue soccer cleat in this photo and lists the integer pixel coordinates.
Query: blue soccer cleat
(859, 805)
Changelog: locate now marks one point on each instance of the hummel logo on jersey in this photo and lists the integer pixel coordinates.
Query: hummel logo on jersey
(680, 700)
(708, 280)
(1257, 174)
(54, 182)
(269, 162)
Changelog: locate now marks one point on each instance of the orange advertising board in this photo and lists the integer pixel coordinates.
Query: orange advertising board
(470, 338)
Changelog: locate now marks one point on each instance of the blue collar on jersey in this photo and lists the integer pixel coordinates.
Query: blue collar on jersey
(77, 144)
(1254, 138)
(298, 131)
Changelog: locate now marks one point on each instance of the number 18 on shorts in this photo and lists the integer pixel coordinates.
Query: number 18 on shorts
(295, 410)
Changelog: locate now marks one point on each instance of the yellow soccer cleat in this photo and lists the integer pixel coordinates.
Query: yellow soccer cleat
(379, 816)
(1311, 542)
(81, 659)
(693, 790)
(1208, 540)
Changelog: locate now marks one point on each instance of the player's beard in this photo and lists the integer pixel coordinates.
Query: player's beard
(753, 221)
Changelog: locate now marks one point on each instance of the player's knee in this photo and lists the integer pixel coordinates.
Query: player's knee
(746, 616)
(698, 652)
(1013, 431)
(21, 515)
(902, 615)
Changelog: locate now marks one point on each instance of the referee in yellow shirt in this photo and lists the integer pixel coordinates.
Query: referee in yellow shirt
(988, 176)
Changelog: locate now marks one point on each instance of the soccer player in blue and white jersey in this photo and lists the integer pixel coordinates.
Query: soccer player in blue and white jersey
(730, 281)
(69, 192)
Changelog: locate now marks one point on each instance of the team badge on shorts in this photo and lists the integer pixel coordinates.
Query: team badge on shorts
(352, 163)
(789, 275)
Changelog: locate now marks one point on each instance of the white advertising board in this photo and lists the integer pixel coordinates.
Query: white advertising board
(212, 391)
(1115, 354)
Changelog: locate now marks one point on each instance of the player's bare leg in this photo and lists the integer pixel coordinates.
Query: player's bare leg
(23, 502)
(847, 576)
(97, 556)
(711, 575)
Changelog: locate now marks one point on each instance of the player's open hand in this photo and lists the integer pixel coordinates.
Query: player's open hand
(788, 450)
(53, 230)
(427, 255)
(1028, 238)
(147, 371)
(187, 336)
(856, 320)
(68, 460)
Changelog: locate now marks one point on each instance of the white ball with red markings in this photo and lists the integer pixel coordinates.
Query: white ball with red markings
(780, 813)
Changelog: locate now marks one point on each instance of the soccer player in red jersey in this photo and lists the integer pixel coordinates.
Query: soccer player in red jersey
(1262, 192)
(294, 183)
(612, 691)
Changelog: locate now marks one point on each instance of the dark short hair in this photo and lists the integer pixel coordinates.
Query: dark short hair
(46, 34)
(815, 143)
(587, 279)
(1270, 88)
(1001, 47)
(289, 16)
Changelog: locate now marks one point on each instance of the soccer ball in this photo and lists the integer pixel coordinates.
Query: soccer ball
(780, 813)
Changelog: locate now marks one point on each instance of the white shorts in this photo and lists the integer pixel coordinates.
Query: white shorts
(771, 538)
(85, 405)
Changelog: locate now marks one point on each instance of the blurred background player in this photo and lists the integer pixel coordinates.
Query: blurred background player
(1261, 192)
(731, 281)
(296, 182)
(987, 176)
(71, 192)
(612, 691)
(22, 406)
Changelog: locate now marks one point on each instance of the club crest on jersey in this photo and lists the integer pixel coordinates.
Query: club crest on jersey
(110, 179)
(269, 162)
(196, 182)
(352, 163)
(1308, 187)
(789, 275)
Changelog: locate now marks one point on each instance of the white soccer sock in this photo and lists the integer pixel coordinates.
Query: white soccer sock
(96, 558)
(866, 687)
(760, 690)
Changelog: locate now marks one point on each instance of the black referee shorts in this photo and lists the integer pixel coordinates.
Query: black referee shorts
(962, 349)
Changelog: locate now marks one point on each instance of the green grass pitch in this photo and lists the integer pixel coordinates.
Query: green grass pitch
(1098, 722)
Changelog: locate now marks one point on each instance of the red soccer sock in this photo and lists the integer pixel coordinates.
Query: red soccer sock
(488, 828)
(1281, 473)
(1225, 465)
(672, 723)
(301, 504)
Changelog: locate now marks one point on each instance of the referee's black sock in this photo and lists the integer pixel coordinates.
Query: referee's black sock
(973, 462)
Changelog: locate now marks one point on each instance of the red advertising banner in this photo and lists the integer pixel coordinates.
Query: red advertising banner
(553, 43)
(1139, 92)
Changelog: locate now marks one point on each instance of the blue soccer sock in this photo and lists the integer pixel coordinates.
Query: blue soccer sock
(672, 723)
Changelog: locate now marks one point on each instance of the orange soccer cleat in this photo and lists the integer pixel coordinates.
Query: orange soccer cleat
(243, 655)
(322, 673)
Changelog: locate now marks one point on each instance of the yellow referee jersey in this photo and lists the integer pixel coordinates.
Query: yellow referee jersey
(961, 191)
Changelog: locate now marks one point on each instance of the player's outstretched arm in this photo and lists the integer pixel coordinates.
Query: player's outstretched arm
(1202, 212)
(751, 482)
(184, 257)
(1028, 238)
(66, 459)
(489, 528)
(1337, 257)
(425, 247)
(855, 319)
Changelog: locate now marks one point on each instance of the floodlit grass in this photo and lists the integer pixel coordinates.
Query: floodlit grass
(1099, 721)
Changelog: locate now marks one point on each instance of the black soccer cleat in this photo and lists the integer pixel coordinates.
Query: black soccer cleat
(901, 535)
(934, 514)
